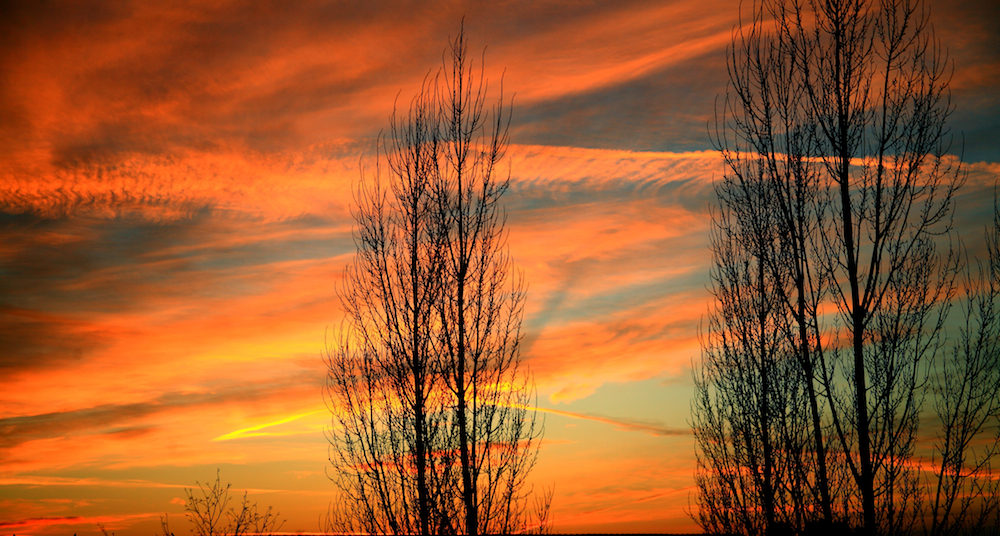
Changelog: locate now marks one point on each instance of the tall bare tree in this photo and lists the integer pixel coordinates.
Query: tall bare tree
(965, 496)
(747, 417)
(434, 427)
(835, 124)
(772, 187)
(875, 85)
(384, 386)
(482, 304)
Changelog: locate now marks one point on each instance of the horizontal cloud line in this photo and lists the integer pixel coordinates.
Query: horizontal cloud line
(625, 424)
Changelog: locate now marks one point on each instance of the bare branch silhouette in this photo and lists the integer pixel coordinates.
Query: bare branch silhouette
(207, 510)
(434, 429)
(830, 267)
(966, 493)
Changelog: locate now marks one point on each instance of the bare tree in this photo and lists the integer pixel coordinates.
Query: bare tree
(209, 510)
(771, 211)
(434, 428)
(543, 511)
(748, 420)
(481, 305)
(965, 495)
(771, 188)
(767, 143)
(384, 382)
(835, 126)
(877, 100)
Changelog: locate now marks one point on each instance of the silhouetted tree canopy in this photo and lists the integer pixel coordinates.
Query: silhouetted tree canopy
(834, 272)
(434, 430)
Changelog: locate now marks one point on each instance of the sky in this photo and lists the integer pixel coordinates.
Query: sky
(175, 218)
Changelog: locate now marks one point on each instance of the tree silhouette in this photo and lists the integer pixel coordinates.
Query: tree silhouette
(747, 415)
(876, 92)
(966, 494)
(434, 430)
(837, 193)
(210, 511)
(481, 308)
(384, 385)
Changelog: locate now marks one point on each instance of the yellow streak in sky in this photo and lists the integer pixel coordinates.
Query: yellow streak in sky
(246, 432)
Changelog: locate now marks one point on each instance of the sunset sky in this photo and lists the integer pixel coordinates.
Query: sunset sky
(175, 218)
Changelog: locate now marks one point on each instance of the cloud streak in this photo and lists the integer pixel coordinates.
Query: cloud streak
(655, 429)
